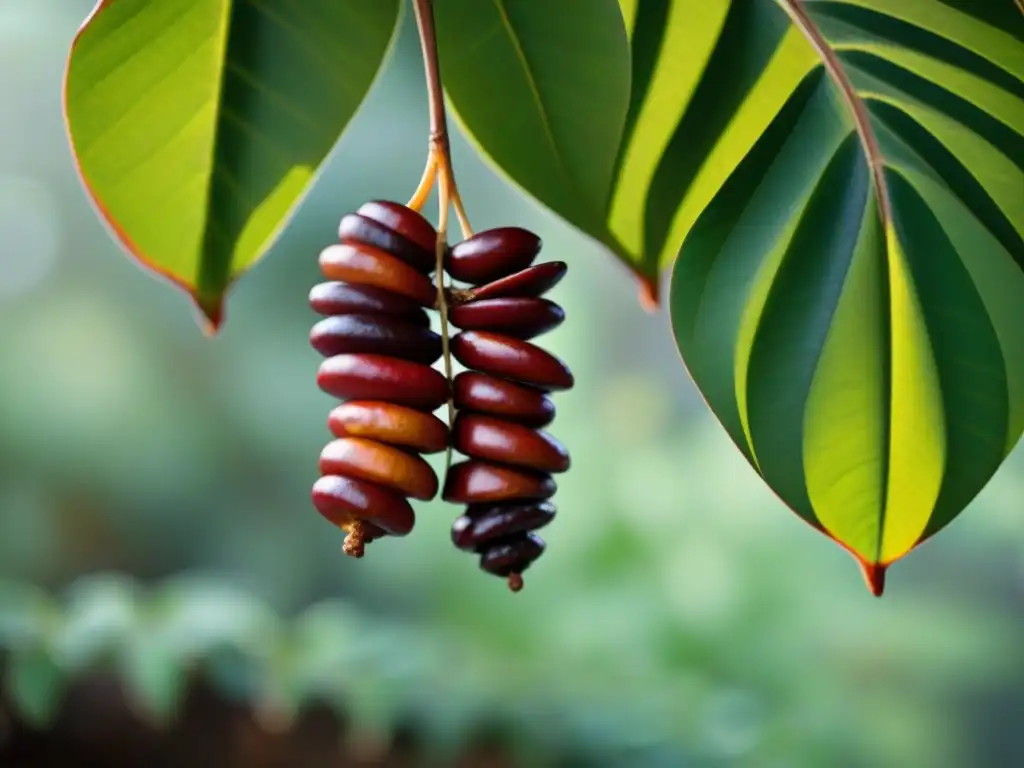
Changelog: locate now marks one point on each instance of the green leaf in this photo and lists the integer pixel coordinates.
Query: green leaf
(543, 90)
(35, 684)
(155, 677)
(199, 126)
(851, 302)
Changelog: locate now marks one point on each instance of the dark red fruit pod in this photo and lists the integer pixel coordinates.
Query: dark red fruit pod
(483, 524)
(375, 334)
(481, 393)
(403, 220)
(505, 442)
(381, 464)
(512, 316)
(389, 423)
(343, 500)
(491, 254)
(337, 298)
(376, 377)
(529, 283)
(510, 358)
(512, 556)
(366, 265)
(477, 482)
(355, 228)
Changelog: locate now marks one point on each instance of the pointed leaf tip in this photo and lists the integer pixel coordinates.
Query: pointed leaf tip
(874, 576)
(211, 312)
(206, 206)
(648, 294)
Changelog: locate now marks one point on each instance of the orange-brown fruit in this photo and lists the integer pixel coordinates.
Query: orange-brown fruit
(366, 265)
(389, 423)
(382, 464)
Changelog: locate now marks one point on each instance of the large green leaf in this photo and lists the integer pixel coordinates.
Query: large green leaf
(851, 302)
(198, 125)
(543, 90)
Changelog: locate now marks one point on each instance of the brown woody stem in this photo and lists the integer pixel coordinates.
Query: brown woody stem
(439, 161)
(439, 170)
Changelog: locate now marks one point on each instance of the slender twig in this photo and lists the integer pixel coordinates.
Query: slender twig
(442, 306)
(435, 93)
(439, 161)
(439, 168)
(419, 197)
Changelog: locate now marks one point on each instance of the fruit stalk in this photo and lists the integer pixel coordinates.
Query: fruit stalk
(438, 169)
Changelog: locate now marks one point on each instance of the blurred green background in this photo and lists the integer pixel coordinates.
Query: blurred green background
(680, 611)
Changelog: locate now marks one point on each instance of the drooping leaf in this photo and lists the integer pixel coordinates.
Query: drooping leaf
(543, 90)
(198, 125)
(851, 302)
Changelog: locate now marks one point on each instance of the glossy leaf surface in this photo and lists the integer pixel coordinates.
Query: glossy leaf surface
(199, 125)
(543, 90)
(851, 302)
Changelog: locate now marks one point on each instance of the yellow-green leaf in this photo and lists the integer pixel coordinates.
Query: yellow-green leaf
(198, 125)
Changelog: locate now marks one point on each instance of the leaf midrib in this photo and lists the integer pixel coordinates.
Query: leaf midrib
(545, 122)
(203, 278)
(876, 164)
(858, 111)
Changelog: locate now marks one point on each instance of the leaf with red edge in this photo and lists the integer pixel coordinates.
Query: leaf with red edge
(199, 125)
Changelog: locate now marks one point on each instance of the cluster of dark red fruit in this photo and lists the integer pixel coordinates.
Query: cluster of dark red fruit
(379, 352)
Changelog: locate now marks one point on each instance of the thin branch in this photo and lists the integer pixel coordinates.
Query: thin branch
(440, 148)
(439, 167)
(435, 92)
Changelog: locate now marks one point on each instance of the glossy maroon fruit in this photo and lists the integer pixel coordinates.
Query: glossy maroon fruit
(366, 265)
(481, 393)
(337, 298)
(344, 500)
(403, 220)
(510, 358)
(512, 556)
(491, 254)
(355, 228)
(476, 482)
(531, 282)
(377, 377)
(375, 334)
(511, 316)
(484, 524)
(505, 442)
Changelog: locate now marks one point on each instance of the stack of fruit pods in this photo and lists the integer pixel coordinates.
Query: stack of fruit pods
(379, 350)
(502, 400)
